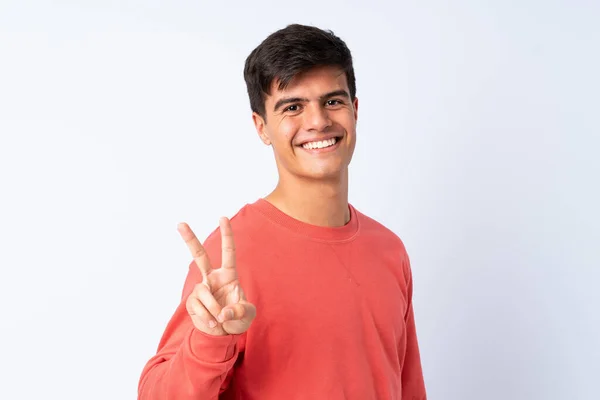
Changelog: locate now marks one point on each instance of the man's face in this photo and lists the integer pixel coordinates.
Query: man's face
(311, 124)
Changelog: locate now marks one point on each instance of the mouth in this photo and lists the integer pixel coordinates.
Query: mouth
(321, 144)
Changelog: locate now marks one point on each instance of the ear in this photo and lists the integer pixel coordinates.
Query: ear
(261, 128)
(355, 104)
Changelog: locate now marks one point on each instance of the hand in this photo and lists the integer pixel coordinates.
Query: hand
(217, 305)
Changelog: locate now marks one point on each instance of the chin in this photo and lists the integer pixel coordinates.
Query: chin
(325, 174)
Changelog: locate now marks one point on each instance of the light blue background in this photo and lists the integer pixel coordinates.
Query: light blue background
(477, 143)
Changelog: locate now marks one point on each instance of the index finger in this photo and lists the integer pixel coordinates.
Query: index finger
(197, 250)
(227, 244)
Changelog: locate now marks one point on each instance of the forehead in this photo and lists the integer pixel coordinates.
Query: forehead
(315, 81)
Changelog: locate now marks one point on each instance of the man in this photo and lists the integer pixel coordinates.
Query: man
(312, 299)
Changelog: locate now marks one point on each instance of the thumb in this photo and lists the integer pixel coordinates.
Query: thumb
(238, 312)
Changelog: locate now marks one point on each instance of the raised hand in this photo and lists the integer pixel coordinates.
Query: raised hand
(217, 305)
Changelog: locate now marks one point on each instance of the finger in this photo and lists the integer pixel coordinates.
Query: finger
(202, 292)
(235, 295)
(199, 312)
(237, 311)
(227, 244)
(197, 250)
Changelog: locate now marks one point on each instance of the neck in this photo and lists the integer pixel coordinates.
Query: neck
(321, 203)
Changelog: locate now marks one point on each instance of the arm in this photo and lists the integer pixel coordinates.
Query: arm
(413, 385)
(189, 364)
(200, 345)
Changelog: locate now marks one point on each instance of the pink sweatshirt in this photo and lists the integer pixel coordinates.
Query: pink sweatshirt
(334, 318)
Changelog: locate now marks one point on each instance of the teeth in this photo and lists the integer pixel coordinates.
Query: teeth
(320, 144)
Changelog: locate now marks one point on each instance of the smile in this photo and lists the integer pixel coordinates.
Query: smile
(321, 144)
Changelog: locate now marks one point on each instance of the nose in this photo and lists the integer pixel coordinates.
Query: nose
(316, 118)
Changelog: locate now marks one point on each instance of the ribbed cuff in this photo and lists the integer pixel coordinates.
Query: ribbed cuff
(212, 349)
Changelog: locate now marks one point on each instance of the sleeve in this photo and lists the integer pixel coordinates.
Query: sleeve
(189, 364)
(413, 385)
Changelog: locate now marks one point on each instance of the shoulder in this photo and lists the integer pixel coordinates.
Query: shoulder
(384, 244)
(373, 229)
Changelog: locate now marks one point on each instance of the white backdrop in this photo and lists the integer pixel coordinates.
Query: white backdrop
(478, 130)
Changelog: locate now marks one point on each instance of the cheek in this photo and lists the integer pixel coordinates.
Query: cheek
(350, 121)
(287, 130)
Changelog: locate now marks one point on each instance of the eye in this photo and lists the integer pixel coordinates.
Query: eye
(334, 102)
(292, 108)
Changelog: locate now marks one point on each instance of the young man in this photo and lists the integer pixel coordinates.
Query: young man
(312, 299)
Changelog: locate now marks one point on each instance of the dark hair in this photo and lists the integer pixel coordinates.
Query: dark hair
(288, 52)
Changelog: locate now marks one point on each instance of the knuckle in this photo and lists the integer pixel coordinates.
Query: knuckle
(200, 312)
(193, 307)
(205, 296)
(199, 252)
(189, 302)
(199, 288)
(202, 292)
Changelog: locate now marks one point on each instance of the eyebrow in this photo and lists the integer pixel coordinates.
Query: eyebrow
(288, 100)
